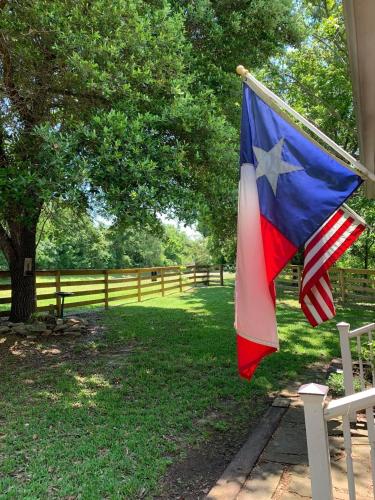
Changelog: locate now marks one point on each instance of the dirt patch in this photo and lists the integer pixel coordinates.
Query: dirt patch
(189, 478)
(194, 476)
(47, 351)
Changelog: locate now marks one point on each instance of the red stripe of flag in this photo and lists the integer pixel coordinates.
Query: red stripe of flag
(327, 245)
(308, 314)
(324, 294)
(314, 300)
(312, 287)
(331, 259)
(328, 225)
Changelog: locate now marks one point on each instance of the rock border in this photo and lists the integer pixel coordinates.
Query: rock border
(45, 326)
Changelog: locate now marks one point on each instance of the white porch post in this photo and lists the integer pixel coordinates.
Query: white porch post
(347, 365)
(346, 357)
(313, 396)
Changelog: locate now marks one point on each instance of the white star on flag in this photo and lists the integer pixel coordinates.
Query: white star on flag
(272, 165)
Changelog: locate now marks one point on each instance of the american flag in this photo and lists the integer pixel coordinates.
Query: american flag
(322, 250)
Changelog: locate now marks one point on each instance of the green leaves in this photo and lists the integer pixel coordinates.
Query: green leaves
(68, 241)
(315, 80)
(129, 107)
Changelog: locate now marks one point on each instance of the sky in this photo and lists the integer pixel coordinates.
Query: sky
(191, 231)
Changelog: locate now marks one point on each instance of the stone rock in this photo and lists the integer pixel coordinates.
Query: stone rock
(4, 329)
(72, 333)
(61, 328)
(20, 330)
(46, 333)
(37, 327)
(76, 327)
(59, 321)
(31, 337)
(73, 321)
(16, 325)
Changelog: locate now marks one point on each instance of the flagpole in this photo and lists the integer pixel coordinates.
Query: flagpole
(354, 214)
(258, 87)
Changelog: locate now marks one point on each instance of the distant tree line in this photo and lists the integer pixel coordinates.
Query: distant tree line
(68, 241)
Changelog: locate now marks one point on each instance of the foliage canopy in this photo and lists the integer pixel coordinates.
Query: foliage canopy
(125, 106)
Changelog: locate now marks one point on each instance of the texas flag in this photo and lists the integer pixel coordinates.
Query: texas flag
(288, 187)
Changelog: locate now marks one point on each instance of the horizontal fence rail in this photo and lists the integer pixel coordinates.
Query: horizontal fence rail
(105, 286)
(353, 285)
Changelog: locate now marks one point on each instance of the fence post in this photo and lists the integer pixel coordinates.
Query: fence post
(106, 288)
(313, 396)
(299, 278)
(180, 278)
(342, 284)
(139, 285)
(294, 275)
(221, 275)
(58, 289)
(162, 282)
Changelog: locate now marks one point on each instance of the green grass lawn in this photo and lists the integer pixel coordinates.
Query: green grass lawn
(104, 417)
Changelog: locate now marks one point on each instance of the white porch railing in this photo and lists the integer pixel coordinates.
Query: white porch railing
(316, 417)
(347, 362)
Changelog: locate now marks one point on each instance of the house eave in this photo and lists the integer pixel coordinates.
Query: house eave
(360, 22)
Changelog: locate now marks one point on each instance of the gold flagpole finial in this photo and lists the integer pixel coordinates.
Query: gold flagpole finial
(241, 70)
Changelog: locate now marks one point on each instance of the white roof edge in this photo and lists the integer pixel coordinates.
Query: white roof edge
(359, 20)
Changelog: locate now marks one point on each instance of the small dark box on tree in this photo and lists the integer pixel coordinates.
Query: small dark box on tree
(28, 267)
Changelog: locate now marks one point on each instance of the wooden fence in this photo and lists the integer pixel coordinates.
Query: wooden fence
(105, 286)
(349, 285)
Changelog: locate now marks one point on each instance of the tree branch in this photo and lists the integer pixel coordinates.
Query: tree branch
(92, 96)
(310, 93)
(3, 159)
(48, 217)
(326, 43)
(13, 94)
(6, 243)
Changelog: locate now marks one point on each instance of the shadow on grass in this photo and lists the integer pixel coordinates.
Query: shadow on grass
(108, 418)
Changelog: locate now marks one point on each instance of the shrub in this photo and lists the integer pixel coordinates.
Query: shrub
(336, 384)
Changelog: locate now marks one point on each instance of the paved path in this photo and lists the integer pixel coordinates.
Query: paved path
(281, 472)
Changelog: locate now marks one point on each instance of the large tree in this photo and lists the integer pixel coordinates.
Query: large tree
(114, 104)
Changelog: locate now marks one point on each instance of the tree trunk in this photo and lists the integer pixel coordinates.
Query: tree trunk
(23, 283)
